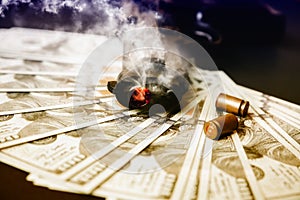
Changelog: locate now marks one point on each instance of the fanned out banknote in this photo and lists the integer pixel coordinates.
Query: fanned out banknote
(53, 46)
(38, 67)
(227, 178)
(93, 145)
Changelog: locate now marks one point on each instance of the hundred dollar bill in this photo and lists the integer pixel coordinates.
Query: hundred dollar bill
(29, 67)
(271, 161)
(265, 98)
(154, 168)
(23, 81)
(291, 128)
(25, 93)
(273, 105)
(33, 83)
(228, 179)
(144, 144)
(16, 103)
(289, 116)
(57, 154)
(188, 177)
(26, 127)
(179, 167)
(46, 45)
(46, 68)
(270, 147)
(227, 174)
(262, 118)
(212, 182)
(285, 116)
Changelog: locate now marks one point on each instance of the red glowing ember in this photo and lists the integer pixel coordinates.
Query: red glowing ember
(140, 97)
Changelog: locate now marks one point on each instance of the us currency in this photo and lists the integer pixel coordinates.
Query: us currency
(262, 118)
(29, 67)
(288, 117)
(282, 109)
(26, 127)
(271, 156)
(265, 98)
(24, 102)
(271, 161)
(285, 116)
(227, 176)
(67, 174)
(54, 155)
(206, 180)
(232, 185)
(37, 83)
(45, 114)
(160, 183)
(46, 45)
(185, 185)
(152, 181)
(19, 95)
(32, 93)
(47, 68)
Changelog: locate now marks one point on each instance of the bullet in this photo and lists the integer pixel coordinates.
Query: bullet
(220, 126)
(232, 105)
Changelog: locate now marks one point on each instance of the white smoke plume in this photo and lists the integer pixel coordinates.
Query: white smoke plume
(106, 17)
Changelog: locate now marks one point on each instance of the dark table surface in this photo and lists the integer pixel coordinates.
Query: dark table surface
(271, 68)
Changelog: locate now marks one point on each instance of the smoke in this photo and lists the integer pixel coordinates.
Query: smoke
(106, 17)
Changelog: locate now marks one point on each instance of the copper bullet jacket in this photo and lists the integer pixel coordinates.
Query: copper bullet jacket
(232, 105)
(220, 126)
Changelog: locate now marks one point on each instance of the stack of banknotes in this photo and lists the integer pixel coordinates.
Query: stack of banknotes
(93, 145)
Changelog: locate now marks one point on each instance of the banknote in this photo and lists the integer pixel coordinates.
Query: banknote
(47, 68)
(52, 156)
(270, 161)
(263, 119)
(15, 103)
(147, 158)
(29, 67)
(37, 83)
(67, 174)
(223, 184)
(271, 99)
(24, 93)
(46, 45)
(143, 177)
(26, 127)
(268, 99)
(15, 81)
(271, 155)
(186, 183)
(206, 180)
(34, 81)
(288, 126)
(282, 109)
(289, 117)
(227, 177)
(226, 180)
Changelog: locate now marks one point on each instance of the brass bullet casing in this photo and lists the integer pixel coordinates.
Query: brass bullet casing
(220, 126)
(232, 104)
